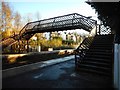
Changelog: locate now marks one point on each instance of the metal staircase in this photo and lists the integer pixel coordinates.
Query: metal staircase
(8, 41)
(98, 58)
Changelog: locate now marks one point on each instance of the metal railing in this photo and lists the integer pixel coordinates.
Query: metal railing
(66, 22)
(102, 30)
(60, 23)
(80, 52)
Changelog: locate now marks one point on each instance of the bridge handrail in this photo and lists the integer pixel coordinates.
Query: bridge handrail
(60, 21)
(74, 16)
(49, 24)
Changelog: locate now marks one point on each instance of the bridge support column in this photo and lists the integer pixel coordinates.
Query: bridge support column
(19, 46)
(27, 46)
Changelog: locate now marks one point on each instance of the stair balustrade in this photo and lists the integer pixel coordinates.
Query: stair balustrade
(80, 52)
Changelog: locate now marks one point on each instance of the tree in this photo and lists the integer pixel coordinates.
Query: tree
(7, 18)
(38, 35)
(17, 22)
(75, 34)
(27, 18)
(0, 22)
(37, 15)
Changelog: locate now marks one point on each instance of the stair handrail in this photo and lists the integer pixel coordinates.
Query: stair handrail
(12, 36)
(84, 46)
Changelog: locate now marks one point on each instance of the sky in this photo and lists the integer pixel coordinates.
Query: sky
(52, 8)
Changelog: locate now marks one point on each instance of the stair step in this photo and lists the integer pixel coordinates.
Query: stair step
(99, 50)
(101, 47)
(105, 36)
(102, 44)
(103, 64)
(103, 69)
(103, 39)
(93, 71)
(99, 53)
(98, 56)
(98, 60)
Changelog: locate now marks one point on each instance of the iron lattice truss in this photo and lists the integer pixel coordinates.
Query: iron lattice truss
(105, 30)
(60, 23)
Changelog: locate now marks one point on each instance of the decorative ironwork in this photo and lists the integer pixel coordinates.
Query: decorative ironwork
(104, 30)
(66, 22)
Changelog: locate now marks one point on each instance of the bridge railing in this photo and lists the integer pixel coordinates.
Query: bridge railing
(70, 20)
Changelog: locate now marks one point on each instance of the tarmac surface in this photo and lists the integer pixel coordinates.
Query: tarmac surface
(60, 75)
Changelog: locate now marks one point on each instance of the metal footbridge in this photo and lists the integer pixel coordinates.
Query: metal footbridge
(60, 23)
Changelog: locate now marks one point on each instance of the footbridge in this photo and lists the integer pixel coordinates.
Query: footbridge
(60, 23)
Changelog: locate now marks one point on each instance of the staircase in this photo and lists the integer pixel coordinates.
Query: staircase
(8, 41)
(98, 58)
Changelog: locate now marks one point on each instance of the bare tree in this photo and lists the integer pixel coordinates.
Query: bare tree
(38, 35)
(0, 22)
(38, 16)
(17, 22)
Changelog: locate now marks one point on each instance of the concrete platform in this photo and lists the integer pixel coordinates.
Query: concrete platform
(25, 68)
(61, 75)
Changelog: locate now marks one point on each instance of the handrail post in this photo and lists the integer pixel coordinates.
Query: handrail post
(73, 19)
(27, 46)
(19, 45)
(99, 29)
(96, 27)
(53, 22)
